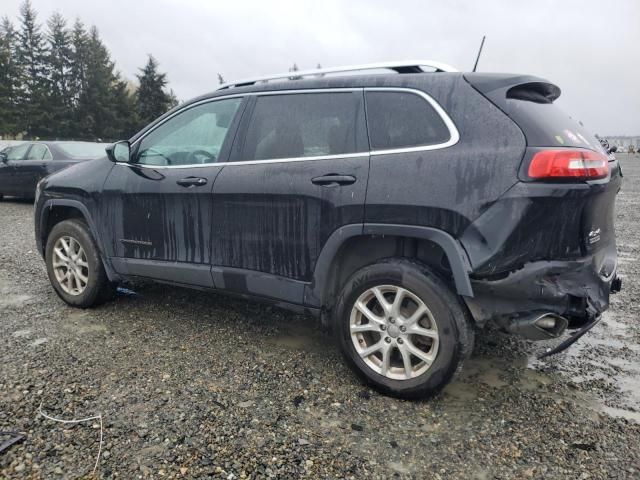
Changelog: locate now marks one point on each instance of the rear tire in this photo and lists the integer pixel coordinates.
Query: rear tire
(422, 333)
(74, 265)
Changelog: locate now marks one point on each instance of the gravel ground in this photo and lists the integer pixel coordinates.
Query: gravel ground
(194, 385)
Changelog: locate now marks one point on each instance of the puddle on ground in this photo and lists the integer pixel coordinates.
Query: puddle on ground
(492, 372)
(461, 391)
(8, 295)
(608, 354)
(605, 354)
(81, 322)
(21, 333)
(621, 413)
(627, 260)
(13, 300)
(297, 337)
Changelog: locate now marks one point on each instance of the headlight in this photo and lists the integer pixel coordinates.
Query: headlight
(38, 190)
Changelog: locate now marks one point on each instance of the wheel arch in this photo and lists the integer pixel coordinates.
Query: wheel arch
(376, 241)
(55, 211)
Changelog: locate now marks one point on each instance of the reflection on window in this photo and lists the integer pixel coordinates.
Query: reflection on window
(192, 137)
(401, 120)
(302, 125)
(38, 152)
(83, 149)
(17, 153)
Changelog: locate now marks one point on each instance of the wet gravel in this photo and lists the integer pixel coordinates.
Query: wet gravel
(195, 385)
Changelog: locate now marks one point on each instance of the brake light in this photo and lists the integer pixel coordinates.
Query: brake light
(569, 163)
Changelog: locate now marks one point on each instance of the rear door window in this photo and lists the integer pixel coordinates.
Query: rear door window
(305, 125)
(39, 152)
(403, 120)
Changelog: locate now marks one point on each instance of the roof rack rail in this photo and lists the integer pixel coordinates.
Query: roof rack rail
(406, 66)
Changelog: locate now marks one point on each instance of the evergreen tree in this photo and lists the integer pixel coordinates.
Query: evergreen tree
(78, 77)
(9, 79)
(63, 84)
(95, 107)
(173, 99)
(124, 107)
(294, 68)
(59, 66)
(152, 99)
(31, 60)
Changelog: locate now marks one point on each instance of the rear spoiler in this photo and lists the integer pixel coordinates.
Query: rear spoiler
(499, 87)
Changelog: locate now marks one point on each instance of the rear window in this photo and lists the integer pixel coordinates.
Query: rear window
(547, 125)
(82, 150)
(304, 125)
(403, 120)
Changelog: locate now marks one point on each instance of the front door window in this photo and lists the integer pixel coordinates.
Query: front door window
(17, 153)
(192, 137)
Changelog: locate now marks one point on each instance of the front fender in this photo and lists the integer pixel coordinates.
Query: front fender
(43, 213)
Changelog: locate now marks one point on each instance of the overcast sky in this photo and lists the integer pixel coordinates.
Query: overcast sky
(590, 48)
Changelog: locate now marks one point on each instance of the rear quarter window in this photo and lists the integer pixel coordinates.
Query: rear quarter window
(403, 120)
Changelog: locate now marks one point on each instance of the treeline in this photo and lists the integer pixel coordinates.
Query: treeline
(59, 82)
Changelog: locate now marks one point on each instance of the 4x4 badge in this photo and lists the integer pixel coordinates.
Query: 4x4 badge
(594, 236)
(136, 242)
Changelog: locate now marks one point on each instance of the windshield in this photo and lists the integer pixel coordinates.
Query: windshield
(83, 149)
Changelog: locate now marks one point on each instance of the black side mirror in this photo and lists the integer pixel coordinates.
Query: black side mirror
(119, 152)
(613, 149)
(3, 157)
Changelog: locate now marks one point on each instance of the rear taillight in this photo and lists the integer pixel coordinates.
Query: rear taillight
(569, 163)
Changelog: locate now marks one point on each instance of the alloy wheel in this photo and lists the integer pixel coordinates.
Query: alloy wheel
(70, 265)
(394, 332)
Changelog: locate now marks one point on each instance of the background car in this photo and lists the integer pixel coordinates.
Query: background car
(22, 166)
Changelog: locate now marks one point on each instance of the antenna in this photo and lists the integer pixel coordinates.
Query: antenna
(479, 52)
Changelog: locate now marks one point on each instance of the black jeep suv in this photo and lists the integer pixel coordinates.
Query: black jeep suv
(406, 209)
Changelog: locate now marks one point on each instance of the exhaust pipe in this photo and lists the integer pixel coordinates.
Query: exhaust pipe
(539, 326)
(616, 284)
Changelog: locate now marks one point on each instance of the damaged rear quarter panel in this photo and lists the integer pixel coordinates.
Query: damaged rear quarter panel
(448, 188)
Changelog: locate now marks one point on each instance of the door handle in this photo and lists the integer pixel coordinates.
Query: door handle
(333, 179)
(192, 182)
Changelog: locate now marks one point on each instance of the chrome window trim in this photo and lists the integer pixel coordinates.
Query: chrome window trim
(50, 154)
(453, 131)
(454, 135)
(251, 162)
(158, 167)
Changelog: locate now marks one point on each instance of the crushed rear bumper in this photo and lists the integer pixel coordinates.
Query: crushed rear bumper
(577, 290)
(572, 339)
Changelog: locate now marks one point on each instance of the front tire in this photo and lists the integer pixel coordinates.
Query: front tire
(74, 265)
(402, 329)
